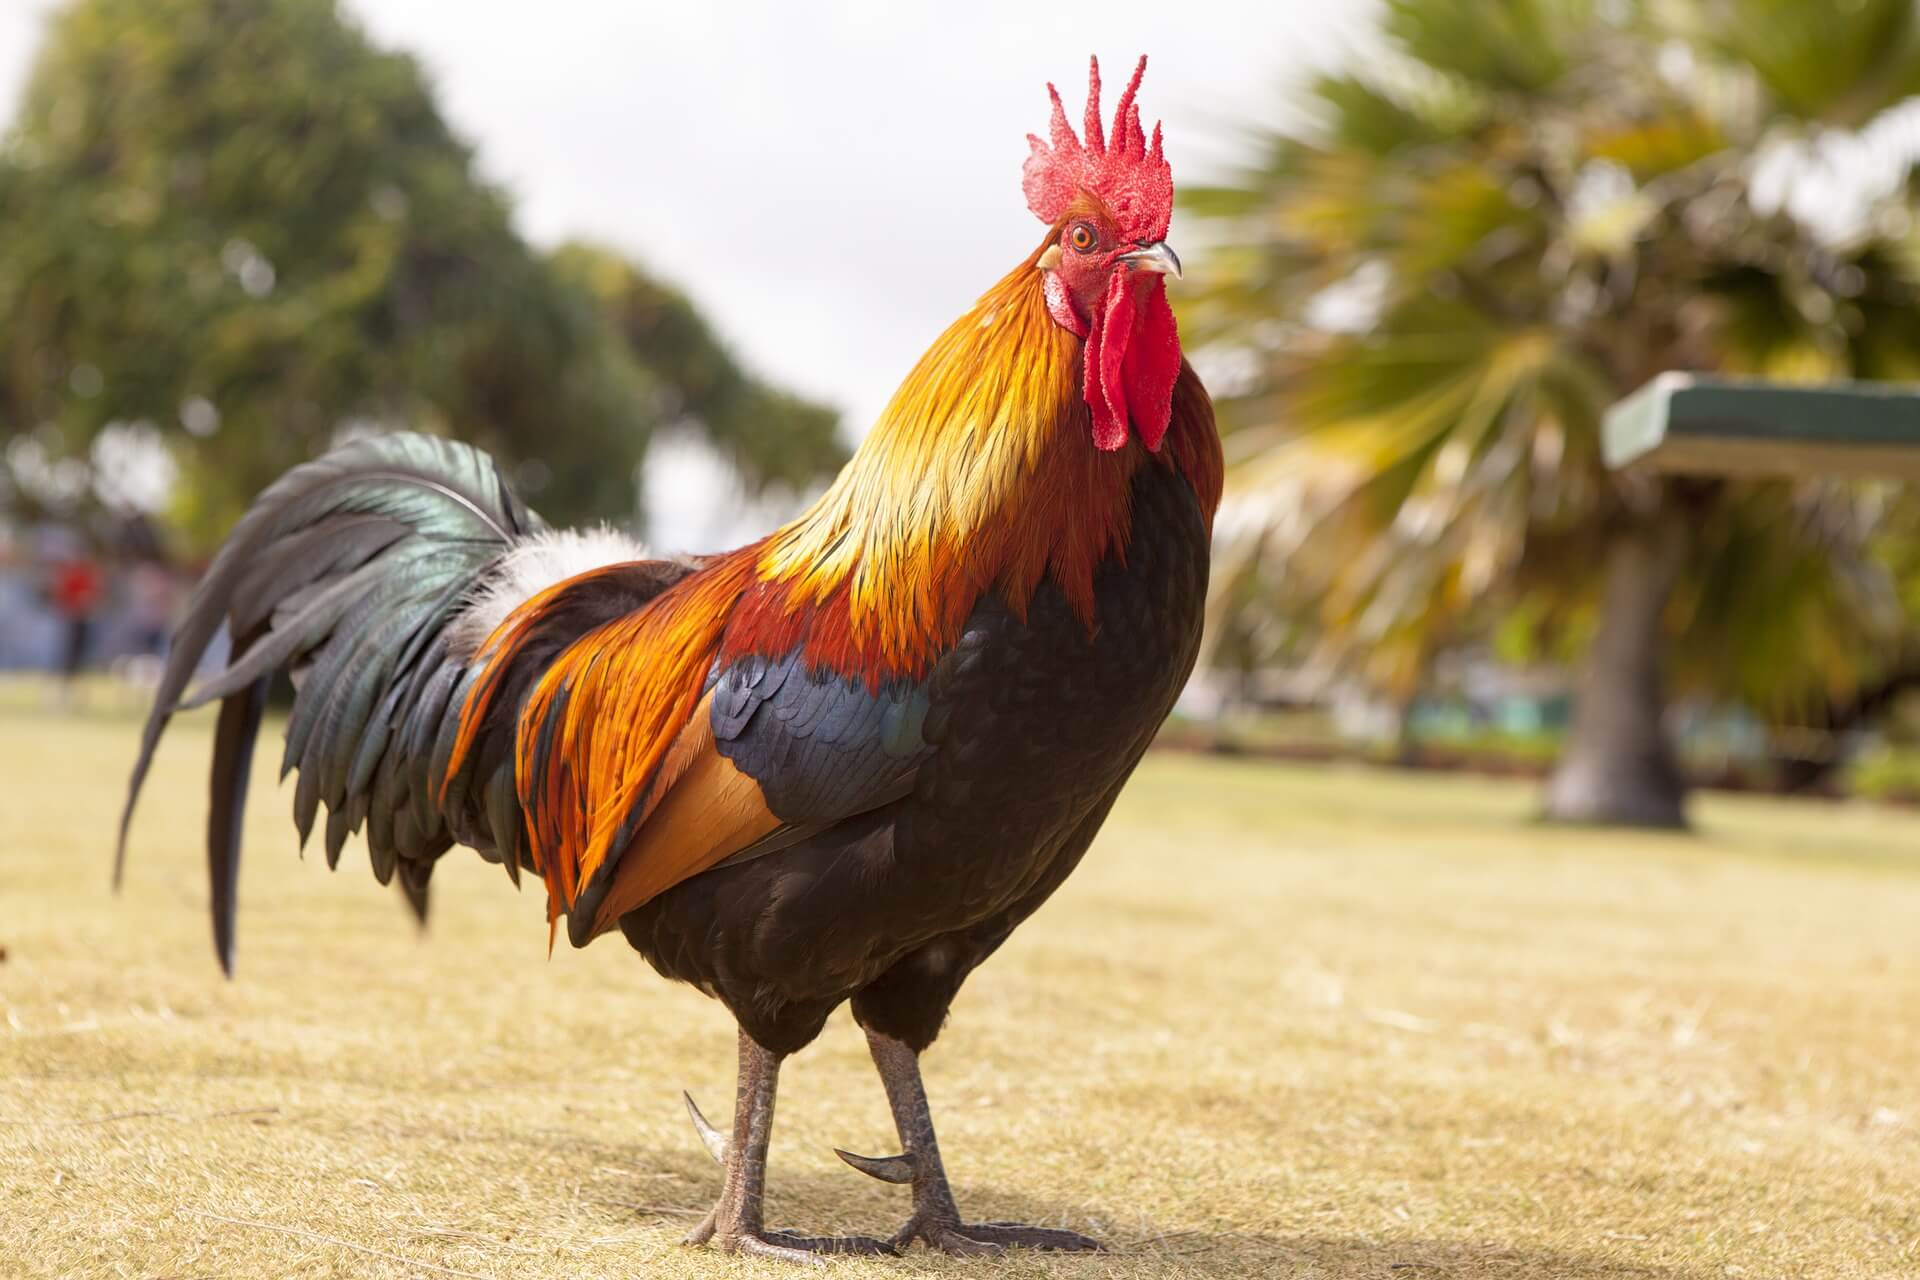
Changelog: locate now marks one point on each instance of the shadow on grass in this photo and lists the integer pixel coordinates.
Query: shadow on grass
(851, 1204)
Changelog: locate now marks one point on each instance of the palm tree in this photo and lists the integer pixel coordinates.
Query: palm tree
(1422, 298)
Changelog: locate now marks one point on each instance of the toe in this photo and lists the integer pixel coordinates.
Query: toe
(1020, 1236)
(960, 1243)
(864, 1245)
(704, 1232)
(755, 1247)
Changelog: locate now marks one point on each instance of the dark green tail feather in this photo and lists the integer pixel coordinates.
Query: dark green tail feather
(233, 739)
(348, 569)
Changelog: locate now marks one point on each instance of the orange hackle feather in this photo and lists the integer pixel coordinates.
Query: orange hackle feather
(979, 477)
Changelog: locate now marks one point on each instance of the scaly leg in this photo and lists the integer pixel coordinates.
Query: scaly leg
(936, 1218)
(736, 1224)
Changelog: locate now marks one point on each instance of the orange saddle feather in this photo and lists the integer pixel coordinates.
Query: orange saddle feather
(614, 760)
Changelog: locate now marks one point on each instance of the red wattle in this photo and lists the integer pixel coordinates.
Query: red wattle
(1106, 352)
(1153, 366)
(1132, 361)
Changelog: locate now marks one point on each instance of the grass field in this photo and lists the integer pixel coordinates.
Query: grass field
(1286, 1021)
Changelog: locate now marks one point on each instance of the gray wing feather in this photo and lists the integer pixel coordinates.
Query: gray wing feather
(821, 747)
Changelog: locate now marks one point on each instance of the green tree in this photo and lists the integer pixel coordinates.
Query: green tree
(1514, 213)
(240, 228)
(770, 435)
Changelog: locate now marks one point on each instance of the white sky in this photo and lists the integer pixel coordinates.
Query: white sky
(832, 182)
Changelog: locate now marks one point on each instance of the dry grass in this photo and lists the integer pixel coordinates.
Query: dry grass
(1287, 1021)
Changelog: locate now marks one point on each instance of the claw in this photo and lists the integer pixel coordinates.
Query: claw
(886, 1168)
(711, 1138)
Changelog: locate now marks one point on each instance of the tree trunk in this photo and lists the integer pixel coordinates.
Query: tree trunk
(1617, 767)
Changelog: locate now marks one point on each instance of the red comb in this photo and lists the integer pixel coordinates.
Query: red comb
(1128, 175)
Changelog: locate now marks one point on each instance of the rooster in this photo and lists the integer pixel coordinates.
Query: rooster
(841, 764)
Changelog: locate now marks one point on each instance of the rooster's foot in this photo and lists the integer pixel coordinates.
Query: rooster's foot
(734, 1224)
(786, 1246)
(936, 1218)
(975, 1238)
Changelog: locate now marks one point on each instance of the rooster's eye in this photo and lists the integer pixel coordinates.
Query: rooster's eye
(1082, 238)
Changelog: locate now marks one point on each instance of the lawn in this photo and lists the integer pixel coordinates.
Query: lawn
(1287, 1021)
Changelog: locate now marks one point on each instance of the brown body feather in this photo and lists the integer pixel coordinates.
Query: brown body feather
(978, 478)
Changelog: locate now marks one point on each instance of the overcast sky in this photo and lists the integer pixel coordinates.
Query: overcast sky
(832, 182)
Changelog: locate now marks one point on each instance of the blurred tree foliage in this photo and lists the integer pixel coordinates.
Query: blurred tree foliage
(1423, 298)
(236, 229)
(768, 433)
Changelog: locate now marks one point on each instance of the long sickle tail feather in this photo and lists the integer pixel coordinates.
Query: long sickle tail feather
(233, 742)
(346, 572)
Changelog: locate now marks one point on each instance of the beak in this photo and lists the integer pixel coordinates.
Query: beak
(1154, 257)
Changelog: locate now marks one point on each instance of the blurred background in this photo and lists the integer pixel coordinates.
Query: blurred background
(668, 271)
(1329, 999)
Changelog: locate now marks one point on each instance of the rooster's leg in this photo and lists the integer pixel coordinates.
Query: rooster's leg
(736, 1223)
(936, 1218)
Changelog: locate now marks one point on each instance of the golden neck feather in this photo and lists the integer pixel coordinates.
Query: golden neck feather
(980, 474)
(951, 448)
